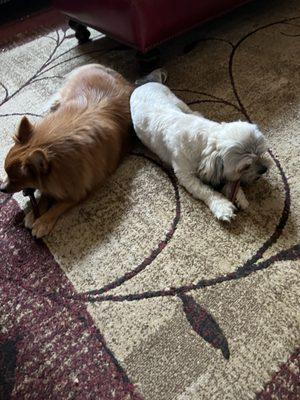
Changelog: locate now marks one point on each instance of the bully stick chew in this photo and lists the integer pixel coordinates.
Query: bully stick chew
(33, 202)
(234, 189)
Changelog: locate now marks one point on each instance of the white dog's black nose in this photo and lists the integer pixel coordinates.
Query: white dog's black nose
(263, 170)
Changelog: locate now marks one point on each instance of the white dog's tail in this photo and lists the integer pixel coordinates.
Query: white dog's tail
(158, 75)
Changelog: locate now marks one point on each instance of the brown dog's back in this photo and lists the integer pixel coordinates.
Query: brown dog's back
(88, 134)
(94, 82)
(75, 147)
(78, 145)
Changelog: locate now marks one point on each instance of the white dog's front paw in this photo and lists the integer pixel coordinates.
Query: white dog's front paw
(29, 220)
(241, 200)
(223, 209)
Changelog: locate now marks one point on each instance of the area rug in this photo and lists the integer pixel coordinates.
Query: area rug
(24, 29)
(139, 293)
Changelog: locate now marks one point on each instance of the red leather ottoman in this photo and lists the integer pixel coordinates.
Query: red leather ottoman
(142, 24)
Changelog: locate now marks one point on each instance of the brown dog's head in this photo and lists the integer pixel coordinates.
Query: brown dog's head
(25, 164)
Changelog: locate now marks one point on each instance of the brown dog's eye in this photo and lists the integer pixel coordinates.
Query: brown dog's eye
(13, 171)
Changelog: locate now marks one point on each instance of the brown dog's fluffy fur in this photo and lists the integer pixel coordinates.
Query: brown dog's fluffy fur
(75, 147)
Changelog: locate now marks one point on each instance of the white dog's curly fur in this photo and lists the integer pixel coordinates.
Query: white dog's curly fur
(204, 154)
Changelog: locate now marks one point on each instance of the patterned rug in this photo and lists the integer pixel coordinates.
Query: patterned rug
(139, 293)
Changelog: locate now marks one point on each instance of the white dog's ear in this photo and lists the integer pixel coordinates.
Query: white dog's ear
(211, 168)
(218, 168)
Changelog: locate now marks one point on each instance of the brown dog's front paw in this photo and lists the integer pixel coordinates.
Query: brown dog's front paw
(42, 227)
(29, 220)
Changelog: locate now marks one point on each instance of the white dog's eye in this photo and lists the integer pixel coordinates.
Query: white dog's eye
(244, 167)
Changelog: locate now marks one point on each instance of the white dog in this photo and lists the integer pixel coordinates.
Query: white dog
(204, 154)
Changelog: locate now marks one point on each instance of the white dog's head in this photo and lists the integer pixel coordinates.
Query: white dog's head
(239, 152)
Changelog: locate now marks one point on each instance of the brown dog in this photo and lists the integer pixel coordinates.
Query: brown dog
(74, 148)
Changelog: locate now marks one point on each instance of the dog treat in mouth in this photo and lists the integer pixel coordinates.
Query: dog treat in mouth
(35, 208)
(234, 189)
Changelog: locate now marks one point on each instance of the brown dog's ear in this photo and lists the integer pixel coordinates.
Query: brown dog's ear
(24, 131)
(37, 163)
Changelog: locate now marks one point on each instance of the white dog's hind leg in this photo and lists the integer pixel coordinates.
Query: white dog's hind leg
(222, 208)
(158, 75)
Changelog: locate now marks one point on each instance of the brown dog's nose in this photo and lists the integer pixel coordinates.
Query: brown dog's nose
(3, 189)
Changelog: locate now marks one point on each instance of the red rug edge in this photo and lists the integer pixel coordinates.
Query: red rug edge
(19, 32)
(285, 383)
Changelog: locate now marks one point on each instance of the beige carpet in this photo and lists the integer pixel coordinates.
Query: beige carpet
(189, 308)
